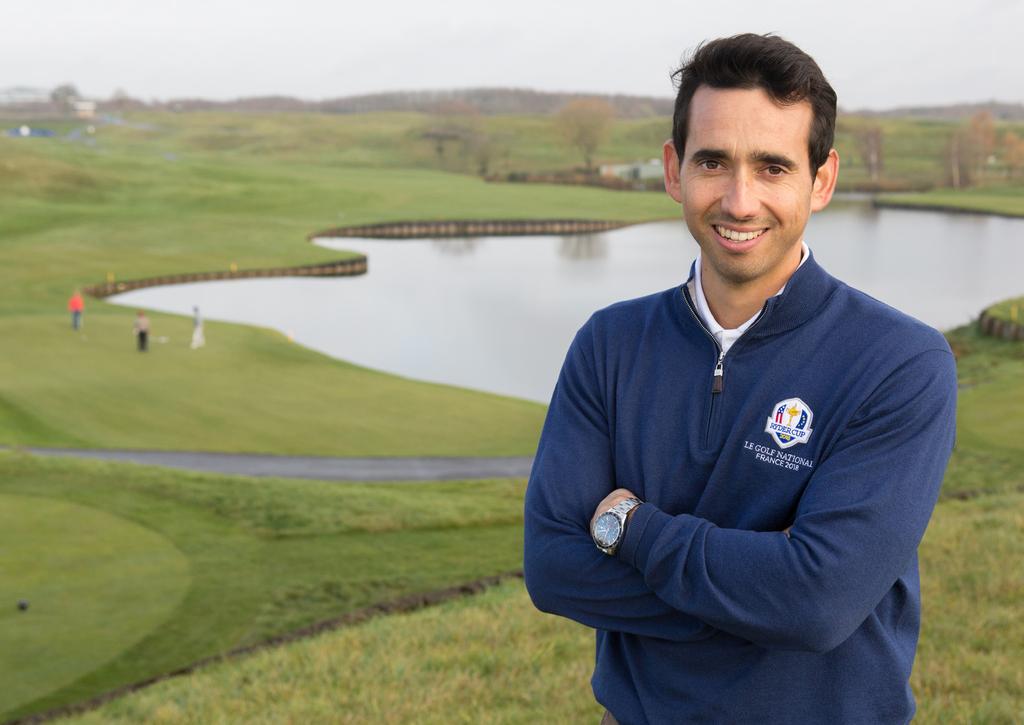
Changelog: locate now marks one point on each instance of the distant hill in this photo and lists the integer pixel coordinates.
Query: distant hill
(954, 112)
(488, 101)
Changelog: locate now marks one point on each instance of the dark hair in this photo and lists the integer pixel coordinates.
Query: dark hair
(768, 62)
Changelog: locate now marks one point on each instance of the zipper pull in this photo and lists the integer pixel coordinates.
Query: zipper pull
(716, 385)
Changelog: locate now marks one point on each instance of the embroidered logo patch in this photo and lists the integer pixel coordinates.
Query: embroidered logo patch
(790, 422)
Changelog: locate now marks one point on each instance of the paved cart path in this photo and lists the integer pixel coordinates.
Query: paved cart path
(322, 468)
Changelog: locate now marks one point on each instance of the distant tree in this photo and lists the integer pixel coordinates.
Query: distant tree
(958, 163)
(981, 140)
(64, 96)
(1013, 153)
(454, 122)
(869, 145)
(485, 147)
(585, 124)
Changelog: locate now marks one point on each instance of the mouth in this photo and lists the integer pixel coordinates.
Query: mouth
(736, 239)
(737, 236)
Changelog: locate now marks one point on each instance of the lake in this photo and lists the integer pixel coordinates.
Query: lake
(498, 314)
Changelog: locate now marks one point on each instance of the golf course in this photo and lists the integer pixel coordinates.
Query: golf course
(117, 574)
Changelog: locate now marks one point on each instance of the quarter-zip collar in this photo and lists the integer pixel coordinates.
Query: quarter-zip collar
(803, 296)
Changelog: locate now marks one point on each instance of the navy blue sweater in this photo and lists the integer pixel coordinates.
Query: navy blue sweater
(835, 416)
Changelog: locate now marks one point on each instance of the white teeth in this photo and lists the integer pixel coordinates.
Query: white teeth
(738, 236)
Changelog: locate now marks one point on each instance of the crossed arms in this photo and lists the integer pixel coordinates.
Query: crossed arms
(679, 577)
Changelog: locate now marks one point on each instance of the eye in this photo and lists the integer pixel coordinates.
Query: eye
(709, 164)
(775, 170)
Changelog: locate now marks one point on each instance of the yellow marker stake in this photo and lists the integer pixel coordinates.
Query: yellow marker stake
(234, 267)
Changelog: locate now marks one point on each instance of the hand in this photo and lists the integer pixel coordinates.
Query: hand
(619, 494)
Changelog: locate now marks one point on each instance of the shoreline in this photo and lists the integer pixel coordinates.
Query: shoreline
(340, 268)
(431, 229)
(947, 208)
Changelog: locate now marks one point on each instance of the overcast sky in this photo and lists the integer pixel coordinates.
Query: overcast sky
(877, 53)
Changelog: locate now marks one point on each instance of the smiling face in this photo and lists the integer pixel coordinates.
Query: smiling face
(746, 186)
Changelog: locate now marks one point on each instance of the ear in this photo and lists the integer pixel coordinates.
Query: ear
(825, 182)
(670, 164)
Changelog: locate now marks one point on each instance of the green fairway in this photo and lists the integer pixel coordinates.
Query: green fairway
(95, 584)
(133, 571)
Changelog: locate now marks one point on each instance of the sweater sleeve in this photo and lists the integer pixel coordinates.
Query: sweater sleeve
(573, 471)
(856, 529)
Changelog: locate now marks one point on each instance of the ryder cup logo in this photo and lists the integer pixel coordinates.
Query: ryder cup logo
(790, 422)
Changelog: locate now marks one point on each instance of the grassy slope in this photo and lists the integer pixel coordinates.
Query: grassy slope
(494, 659)
(259, 557)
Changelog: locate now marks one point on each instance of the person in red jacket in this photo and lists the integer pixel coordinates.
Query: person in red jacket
(76, 305)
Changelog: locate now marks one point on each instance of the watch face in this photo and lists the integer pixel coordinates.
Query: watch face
(606, 530)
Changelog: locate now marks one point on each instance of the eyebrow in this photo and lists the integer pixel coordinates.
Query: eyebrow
(759, 157)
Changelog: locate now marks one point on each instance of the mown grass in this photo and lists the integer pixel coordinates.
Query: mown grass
(251, 559)
(494, 659)
(93, 583)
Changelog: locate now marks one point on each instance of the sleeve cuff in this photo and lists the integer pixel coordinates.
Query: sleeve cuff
(641, 531)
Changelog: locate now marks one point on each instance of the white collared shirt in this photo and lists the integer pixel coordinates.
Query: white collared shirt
(726, 338)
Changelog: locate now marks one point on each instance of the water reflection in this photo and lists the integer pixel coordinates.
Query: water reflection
(583, 246)
(456, 247)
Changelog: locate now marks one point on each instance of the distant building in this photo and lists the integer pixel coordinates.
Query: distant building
(637, 171)
(84, 109)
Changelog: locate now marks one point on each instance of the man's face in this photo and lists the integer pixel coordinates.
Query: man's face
(746, 186)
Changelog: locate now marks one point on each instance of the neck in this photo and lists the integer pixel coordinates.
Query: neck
(733, 303)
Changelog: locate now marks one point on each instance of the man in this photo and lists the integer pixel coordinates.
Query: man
(198, 338)
(76, 306)
(141, 330)
(734, 475)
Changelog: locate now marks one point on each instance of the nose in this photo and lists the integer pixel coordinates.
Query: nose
(740, 200)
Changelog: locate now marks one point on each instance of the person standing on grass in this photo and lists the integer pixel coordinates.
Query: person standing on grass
(198, 338)
(76, 306)
(141, 330)
(734, 474)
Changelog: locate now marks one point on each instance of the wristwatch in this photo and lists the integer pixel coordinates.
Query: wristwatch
(610, 527)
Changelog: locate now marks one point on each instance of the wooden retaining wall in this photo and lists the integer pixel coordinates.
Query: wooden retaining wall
(340, 268)
(387, 230)
(472, 228)
(996, 327)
